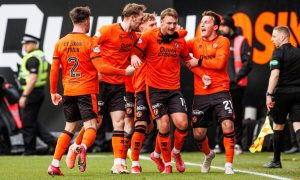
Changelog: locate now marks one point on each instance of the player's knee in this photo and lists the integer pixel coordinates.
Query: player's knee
(71, 127)
(278, 126)
(90, 124)
(138, 123)
(118, 125)
(182, 125)
(149, 128)
(227, 125)
(128, 130)
(164, 126)
(198, 134)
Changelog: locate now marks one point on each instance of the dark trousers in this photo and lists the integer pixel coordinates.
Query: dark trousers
(237, 96)
(31, 127)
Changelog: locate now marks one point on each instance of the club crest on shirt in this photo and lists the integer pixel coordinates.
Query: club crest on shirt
(96, 49)
(140, 41)
(176, 44)
(215, 45)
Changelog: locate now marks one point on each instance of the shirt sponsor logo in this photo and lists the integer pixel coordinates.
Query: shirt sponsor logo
(157, 105)
(125, 47)
(129, 105)
(197, 112)
(141, 108)
(167, 52)
(100, 103)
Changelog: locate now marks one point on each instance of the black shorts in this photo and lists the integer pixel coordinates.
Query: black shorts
(80, 107)
(204, 106)
(129, 104)
(286, 103)
(111, 97)
(142, 110)
(164, 101)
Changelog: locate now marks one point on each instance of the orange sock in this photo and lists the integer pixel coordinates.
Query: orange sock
(62, 144)
(179, 137)
(79, 137)
(164, 141)
(89, 137)
(203, 146)
(117, 142)
(157, 148)
(229, 142)
(137, 141)
(127, 143)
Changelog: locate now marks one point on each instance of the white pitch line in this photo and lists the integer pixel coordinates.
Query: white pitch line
(199, 165)
(236, 170)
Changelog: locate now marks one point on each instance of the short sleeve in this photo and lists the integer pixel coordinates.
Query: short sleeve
(276, 59)
(32, 65)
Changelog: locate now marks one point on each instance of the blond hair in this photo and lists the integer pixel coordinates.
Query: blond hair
(169, 12)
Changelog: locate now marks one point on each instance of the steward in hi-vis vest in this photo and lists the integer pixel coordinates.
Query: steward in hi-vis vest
(32, 79)
(41, 70)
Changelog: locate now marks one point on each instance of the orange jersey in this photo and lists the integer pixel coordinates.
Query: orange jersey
(74, 53)
(129, 84)
(139, 78)
(215, 55)
(162, 60)
(116, 46)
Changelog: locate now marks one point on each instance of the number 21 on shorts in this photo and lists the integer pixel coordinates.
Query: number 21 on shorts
(228, 106)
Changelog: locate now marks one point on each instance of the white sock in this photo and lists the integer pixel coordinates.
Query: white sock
(123, 161)
(117, 161)
(55, 163)
(168, 164)
(176, 151)
(228, 164)
(135, 163)
(156, 155)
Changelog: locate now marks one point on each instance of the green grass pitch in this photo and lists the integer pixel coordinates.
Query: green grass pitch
(98, 167)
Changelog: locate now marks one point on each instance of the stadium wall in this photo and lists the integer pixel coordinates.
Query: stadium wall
(49, 20)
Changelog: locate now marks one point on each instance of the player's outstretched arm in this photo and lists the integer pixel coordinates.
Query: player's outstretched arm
(110, 70)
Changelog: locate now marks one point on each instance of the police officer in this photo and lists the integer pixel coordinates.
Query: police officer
(239, 66)
(283, 94)
(32, 78)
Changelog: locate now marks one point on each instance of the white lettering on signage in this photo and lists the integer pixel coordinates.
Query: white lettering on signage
(34, 17)
(34, 22)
